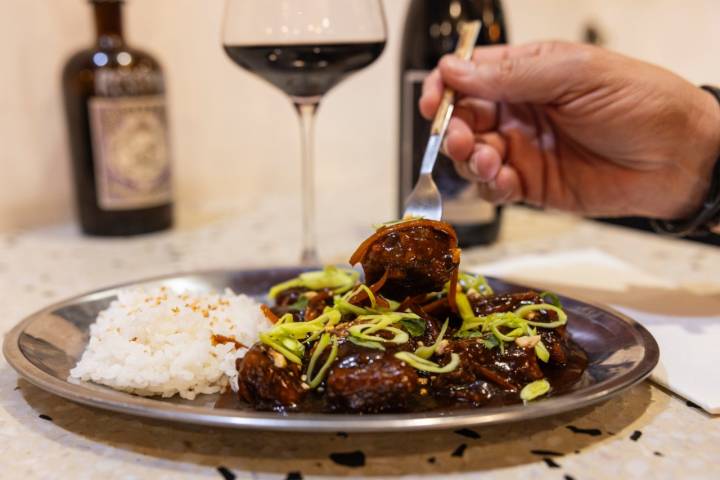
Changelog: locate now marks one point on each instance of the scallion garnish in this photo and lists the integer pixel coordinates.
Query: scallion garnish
(339, 280)
(320, 347)
(378, 226)
(552, 298)
(420, 363)
(477, 283)
(526, 309)
(365, 343)
(278, 347)
(358, 331)
(427, 352)
(534, 389)
(542, 352)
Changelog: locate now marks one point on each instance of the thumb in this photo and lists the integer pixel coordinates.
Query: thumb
(540, 73)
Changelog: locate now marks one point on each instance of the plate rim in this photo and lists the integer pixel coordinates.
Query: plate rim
(127, 403)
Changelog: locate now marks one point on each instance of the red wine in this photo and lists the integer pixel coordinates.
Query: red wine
(305, 70)
(115, 108)
(431, 30)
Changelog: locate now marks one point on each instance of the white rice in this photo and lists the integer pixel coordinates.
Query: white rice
(159, 342)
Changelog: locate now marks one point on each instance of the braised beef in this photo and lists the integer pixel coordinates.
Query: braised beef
(267, 380)
(369, 381)
(418, 257)
(407, 268)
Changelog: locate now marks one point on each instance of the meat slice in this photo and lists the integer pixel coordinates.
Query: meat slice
(369, 381)
(488, 370)
(557, 342)
(267, 381)
(419, 256)
(502, 303)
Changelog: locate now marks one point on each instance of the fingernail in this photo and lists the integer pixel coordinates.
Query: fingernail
(472, 165)
(456, 63)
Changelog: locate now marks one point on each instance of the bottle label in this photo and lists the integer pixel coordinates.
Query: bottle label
(131, 153)
(462, 204)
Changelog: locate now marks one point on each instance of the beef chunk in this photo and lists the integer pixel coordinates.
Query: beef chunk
(419, 256)
(502, 303)
(557, 342)
(268, 381)
(508, 370)
(369, 381)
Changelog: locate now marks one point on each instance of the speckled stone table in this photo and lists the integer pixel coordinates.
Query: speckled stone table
(644, 433)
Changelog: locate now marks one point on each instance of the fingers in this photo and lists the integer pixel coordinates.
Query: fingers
(506, 188)
(477, 158)
(431, 94)
(486, 160)
(535, 73)
(480, 115)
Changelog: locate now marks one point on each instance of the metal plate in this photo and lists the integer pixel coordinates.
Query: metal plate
(45, 346)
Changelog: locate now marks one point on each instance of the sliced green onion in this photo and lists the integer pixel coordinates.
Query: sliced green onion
(426, 365)
(286, 334)
(358, 331)
(281, 287)
(427, 352)
(553, 298)
(393, 304)
(475, 282)
(365, 343)
(387, 317)
(346, 307)
(464, 308)
(287, 318)
(484, 285)
(518, 332)
(524, 310)
(337, 279)
(378, 226)
(275, 345)
(499, 335)
(314, 382)
(534, 389)
(319, 348)
(296, 329)
(542, 352)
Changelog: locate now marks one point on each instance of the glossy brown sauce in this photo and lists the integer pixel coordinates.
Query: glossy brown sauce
(562, 380)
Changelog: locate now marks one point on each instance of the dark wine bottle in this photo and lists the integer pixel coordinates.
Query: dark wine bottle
(115, 108)
(431, 30)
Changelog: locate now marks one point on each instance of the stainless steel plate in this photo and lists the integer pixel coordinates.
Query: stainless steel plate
(45, 346)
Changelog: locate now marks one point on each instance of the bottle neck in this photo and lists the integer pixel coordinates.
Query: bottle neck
(108, 24)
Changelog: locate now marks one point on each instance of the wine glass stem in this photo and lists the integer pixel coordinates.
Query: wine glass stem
(306, 113)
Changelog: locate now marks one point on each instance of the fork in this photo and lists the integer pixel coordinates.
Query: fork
(425, 200)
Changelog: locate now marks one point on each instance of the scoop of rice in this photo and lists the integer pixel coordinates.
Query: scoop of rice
(158, 342)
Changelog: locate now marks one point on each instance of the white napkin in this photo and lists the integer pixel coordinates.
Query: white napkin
(685, 324)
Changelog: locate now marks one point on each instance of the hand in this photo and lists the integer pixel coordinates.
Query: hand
(578, 128)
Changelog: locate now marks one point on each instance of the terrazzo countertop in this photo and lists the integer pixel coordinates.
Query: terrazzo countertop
(645, 432)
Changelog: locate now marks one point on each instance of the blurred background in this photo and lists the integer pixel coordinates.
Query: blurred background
(235, 138)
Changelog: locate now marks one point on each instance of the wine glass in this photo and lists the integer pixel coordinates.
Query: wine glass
(304, 48)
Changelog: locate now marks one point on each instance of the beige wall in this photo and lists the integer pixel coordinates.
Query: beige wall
(236, 138)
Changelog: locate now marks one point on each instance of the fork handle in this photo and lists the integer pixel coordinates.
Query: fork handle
(469, 32)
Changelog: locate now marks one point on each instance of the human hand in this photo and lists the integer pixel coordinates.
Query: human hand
(578, 128)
